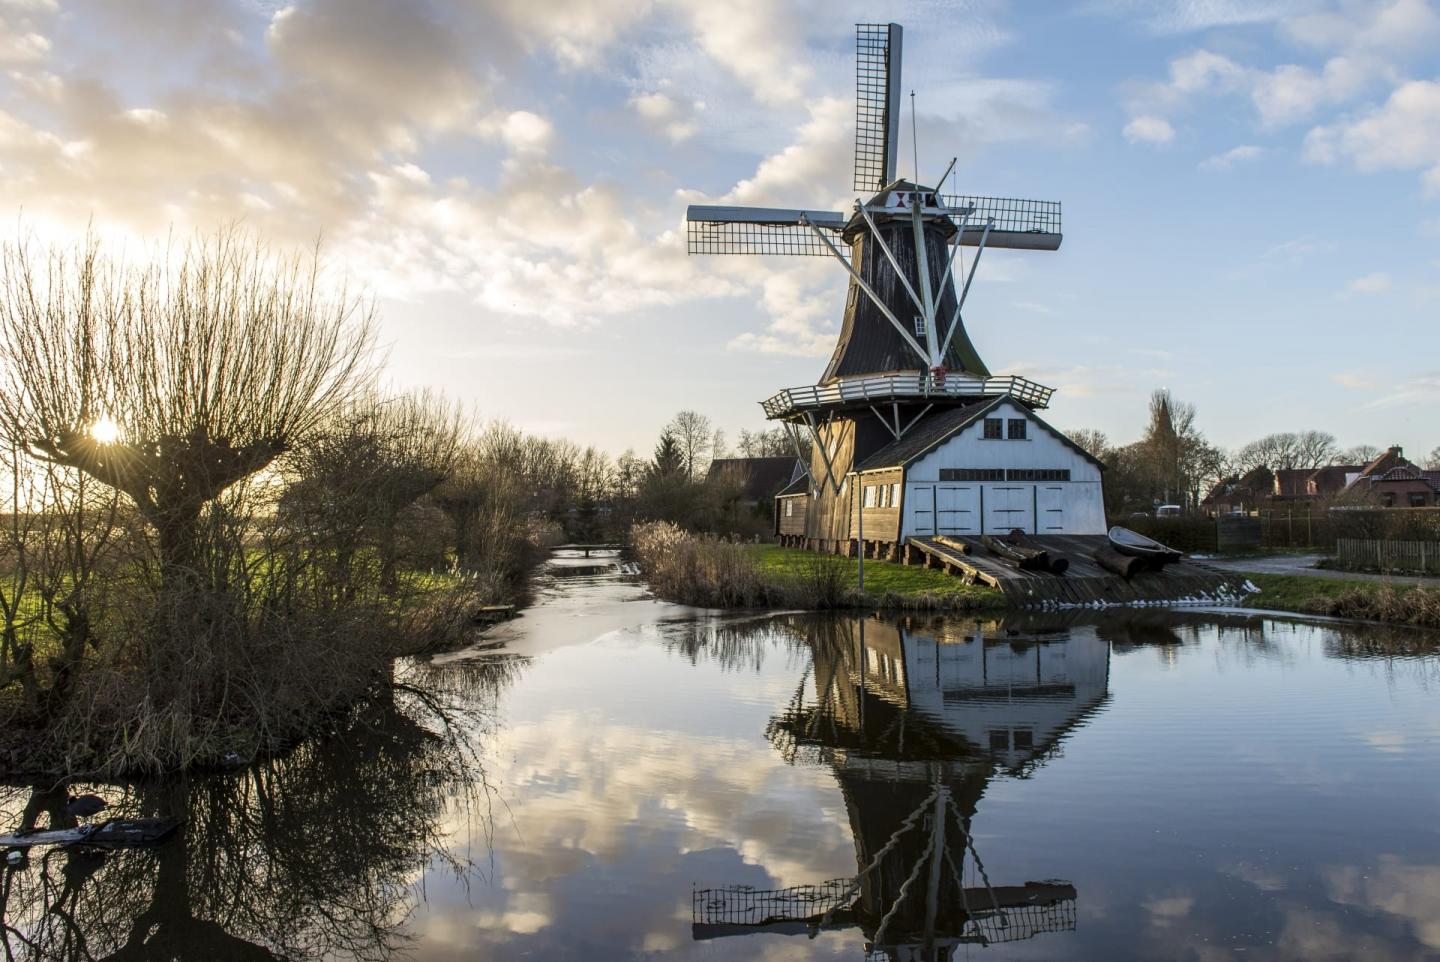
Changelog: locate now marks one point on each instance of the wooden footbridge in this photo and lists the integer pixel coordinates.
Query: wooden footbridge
(587, 548)
(1084, 583)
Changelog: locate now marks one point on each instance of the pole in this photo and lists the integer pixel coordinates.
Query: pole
(860, 531)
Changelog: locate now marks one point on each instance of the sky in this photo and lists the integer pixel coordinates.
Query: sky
(1251, 188)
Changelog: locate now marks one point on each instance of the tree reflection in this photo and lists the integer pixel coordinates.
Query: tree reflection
(316, 853)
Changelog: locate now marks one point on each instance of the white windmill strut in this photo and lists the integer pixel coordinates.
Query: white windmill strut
(922, 267)
(865, 286)
(965, 291)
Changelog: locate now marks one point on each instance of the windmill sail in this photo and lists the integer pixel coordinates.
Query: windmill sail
(1015, 223)
(759, 230)
(877, 103)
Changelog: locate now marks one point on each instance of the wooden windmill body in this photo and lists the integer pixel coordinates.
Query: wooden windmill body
(904, 373)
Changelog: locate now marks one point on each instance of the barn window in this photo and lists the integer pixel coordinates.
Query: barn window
(1017, 429)
(994, 428)
(972, 474)
(870, 495)
(919, 326)
(895, 495)
(1038, 474)
(789, 508)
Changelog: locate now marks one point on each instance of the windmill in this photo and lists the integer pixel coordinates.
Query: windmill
(903, 353)
(907, 722)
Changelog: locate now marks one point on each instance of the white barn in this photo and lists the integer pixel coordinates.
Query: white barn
(986, 468)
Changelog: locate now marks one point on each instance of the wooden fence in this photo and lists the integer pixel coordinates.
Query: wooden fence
(1380, 555)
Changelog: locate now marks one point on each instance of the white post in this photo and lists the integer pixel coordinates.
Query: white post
(922, 267)
(965, 291)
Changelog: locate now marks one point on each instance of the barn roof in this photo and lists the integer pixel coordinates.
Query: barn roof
(763, 476)
(801, 485)
(941, 427)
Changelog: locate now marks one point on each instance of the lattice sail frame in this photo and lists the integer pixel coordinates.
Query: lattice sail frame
(877, 103)
(1015, 223)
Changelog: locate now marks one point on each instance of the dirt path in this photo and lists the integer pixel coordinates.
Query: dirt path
(1304, 564)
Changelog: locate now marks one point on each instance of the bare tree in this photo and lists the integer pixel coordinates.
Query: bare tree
(173, 380)
(692, 433)
(1360, 454)
(1288, 450)
(774, 443)
(359, 474)
(1091, 441)
(1315, 449)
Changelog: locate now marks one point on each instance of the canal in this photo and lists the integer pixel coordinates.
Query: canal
(623, 778)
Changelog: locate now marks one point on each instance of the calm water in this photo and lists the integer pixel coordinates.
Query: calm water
(629, 779)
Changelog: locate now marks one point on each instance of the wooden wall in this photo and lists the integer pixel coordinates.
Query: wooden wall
(881, 524)
(792, 522)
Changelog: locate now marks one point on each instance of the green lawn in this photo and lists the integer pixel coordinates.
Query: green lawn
(1294, 592)
(883, 577)
(1376, 600)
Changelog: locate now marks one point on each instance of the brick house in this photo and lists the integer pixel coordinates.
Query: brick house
(1391, 481)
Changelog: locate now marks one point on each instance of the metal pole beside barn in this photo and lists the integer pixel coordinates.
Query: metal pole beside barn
(860, 531)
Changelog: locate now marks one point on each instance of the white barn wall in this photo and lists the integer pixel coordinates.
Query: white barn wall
(1078, 503)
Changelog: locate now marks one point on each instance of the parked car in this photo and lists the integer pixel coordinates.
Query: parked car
(1168, 511)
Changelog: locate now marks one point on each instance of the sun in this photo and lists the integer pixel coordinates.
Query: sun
(105, 430)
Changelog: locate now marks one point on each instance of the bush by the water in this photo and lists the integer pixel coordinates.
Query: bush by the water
(709, 572)
(1403, 606)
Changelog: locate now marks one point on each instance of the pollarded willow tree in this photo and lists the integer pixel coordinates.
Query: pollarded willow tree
(172, 379)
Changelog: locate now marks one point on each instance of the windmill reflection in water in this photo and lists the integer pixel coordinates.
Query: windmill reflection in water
(915, 721)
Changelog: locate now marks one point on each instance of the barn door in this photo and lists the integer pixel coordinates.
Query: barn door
(1050, 503)
(1009, 506)
(920, 508)
(957, 509)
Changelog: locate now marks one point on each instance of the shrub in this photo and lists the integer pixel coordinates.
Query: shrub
(1416, 606)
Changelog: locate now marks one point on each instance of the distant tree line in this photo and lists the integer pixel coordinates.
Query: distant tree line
(1174, 463)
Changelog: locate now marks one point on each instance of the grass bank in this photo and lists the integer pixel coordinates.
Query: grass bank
(711, 573)
(1369, 600)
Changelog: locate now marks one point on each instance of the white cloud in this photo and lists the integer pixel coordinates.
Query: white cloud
(1401, 134)
(1374, 283)
(1291, 93)
(1186, 16)
(1368, 45)
(1231, 157)
(802, 307)
(1420, 390)
(1203, 72)
(1148, 129)
(527, 132)
(668, 115)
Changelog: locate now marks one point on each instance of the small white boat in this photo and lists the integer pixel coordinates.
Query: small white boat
(1137, 545)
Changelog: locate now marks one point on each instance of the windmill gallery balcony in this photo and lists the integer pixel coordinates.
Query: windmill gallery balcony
(889, 388)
